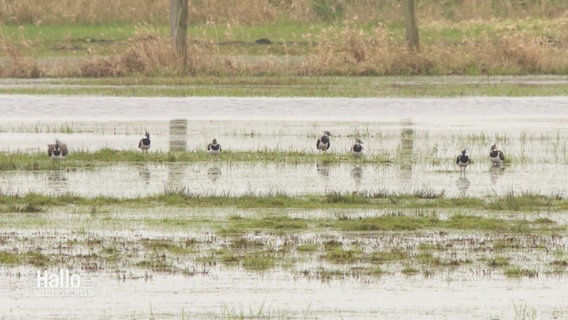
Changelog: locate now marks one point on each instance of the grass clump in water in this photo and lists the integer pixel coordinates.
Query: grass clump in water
(518, 272)
(9, 258)
(523, 201)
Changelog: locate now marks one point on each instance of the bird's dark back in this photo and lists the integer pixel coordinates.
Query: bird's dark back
(496, 153)
(463, 158)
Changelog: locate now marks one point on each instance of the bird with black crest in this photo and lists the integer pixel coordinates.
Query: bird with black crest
(463, 161)
(57, 150)
(214, 148)
(496, 156)
(357, 148)
(144, 143)
(324, 142)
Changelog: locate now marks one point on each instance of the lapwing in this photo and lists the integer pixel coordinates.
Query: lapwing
(357, 148)
(496, 156)
(214, 148)
(324, 143)
(144, 143)
(57, 151)
(463, 160)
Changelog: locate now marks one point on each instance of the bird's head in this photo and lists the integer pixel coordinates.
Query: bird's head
(464, 152)
(493, 147)
(359, 141)
(327, 133)
(147, 134)
(214, 141)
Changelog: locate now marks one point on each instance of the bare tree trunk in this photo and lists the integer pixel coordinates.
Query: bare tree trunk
(178, 25)
(411, 28)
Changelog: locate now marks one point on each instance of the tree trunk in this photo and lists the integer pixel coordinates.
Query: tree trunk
(411, 28)
(178, 24)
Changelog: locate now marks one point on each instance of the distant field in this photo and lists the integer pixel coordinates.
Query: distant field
(275, 38)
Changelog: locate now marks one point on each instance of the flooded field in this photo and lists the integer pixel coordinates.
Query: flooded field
(156, 261)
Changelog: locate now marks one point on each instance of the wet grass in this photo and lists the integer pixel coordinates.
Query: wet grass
(458, 221)
(424, 206)
(34, 258)
(518, 272)
(40, 161)
(293, 87)
(262, 242)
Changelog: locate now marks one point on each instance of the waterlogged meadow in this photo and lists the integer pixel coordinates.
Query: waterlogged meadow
(273, 229)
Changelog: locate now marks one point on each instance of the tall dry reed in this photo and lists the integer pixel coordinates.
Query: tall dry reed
(263, 11)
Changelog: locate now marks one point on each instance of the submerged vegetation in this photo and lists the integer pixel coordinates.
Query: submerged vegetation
(338, 244)
(522, 202)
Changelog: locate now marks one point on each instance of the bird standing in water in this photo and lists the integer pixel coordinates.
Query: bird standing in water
(357, 148)
(214, 148)
(57, 151)
(323, 142)
(144, 143)
(462, 161)
(496, 156)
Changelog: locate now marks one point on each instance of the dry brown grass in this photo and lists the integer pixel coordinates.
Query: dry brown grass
(350, 51)
(16, 65)
(347, 47)
(262, 11)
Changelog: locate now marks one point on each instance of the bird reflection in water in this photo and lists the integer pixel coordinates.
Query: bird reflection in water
(323, 169)
(405, 152)
(144, 174)
(213, 173)
(357, 175)
(57, 180)
(495, 171)
(463, 184)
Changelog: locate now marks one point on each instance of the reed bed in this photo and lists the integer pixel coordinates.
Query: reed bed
(255, 11)
(300, 38)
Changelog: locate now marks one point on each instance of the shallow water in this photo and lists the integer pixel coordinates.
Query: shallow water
(240, 178)
(277, 295)
(422, 136)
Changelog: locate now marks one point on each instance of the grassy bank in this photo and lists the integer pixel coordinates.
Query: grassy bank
(283, 86)
(421, 198)
(83, 159)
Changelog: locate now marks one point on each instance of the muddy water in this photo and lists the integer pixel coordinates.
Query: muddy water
(422, 136)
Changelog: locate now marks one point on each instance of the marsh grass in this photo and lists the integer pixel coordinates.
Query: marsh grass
(518, 272)
(9, 258)
(499, 261)
(341, 255)
(40, 161)
(457, 221)
(27, 208)
(424, 208)
(524, 200)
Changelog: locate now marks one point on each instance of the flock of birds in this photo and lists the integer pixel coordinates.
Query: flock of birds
(59, 150)
(495, 155)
